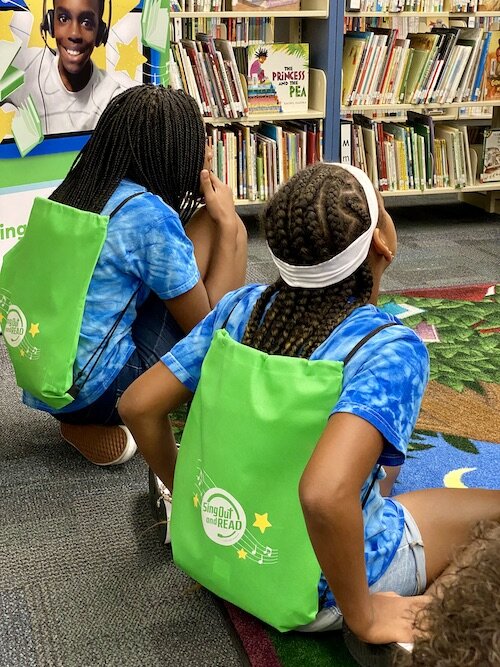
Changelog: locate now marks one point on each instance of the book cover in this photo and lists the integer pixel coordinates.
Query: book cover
(26, 127)
(278, 78)
(491, 156)
(8, 51)
(351, 60)
(492, 68)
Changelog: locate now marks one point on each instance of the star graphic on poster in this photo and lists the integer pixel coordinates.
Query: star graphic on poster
(196, 500)
(6, 118)
(6, 34)
(130, 57)
(120, 9)
(22, 353)
(34, 329)
(99, 57)
(1, 317)
(261, 522)
(36, 9)
(242, 553)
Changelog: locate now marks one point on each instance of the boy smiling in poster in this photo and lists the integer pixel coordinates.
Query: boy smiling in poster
(69, 91)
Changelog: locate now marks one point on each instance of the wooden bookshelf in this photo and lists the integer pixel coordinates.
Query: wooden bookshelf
(486, 195)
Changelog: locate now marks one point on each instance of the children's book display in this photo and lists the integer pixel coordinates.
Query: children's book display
(278, 78)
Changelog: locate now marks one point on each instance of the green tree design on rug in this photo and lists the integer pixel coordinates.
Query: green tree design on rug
(468, 347)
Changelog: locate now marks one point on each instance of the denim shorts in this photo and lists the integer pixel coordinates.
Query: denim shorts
(154, 333)
(405, 576)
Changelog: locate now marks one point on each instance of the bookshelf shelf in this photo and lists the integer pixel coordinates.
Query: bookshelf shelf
(418, 107)
(478, 187)
(404, 144)
(396, 14)
(312, 13)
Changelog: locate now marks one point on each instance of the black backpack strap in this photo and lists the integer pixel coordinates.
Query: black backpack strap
(346, 360)
(122, 203)
(76, 387)
(367, 338)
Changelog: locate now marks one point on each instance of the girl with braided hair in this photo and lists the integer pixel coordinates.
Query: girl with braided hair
(331, 240)
(163, 265)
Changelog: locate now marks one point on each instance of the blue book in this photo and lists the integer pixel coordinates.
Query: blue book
(476, 88)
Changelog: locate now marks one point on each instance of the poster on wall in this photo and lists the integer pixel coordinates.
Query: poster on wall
(62, 61)
(15, 208)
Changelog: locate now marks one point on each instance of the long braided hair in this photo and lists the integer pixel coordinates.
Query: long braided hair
(313, 217)
(150, 134)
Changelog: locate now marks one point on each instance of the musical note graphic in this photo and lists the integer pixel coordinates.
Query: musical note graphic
(255, 550)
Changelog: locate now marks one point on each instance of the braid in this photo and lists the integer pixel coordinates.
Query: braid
(313, 217)
(154, 136)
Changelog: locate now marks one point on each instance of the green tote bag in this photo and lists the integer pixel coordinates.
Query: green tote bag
(237, 525)
(44, 281)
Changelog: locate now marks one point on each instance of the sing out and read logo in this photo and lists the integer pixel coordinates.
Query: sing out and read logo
(223, 518)
(15, 326)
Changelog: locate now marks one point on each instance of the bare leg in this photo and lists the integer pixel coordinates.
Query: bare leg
(204, 235)
(445, 518)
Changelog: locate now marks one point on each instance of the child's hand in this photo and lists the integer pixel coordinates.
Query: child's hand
(393, 618)
(218, 197)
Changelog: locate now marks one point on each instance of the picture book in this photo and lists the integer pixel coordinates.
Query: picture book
(27, 127)
(491, 156)
(492, 69)
(278, 78)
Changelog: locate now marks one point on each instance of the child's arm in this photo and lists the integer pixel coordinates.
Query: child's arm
(144, 408)
(330, 495)
(219, 238)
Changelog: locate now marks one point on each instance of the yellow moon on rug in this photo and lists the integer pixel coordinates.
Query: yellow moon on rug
(453, 479)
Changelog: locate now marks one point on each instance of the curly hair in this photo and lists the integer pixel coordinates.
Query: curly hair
(461, 626)
(314, 216)
(152, 135)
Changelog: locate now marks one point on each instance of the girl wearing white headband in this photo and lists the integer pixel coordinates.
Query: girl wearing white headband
(332, 240)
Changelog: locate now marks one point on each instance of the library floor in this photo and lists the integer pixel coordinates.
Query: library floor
(442, 243)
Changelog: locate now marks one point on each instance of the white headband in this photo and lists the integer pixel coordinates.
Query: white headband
(340, 266)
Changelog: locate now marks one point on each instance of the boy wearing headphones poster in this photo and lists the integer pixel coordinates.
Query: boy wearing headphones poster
(68, 90)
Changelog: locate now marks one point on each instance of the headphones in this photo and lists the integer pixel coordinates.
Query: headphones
(47, 27)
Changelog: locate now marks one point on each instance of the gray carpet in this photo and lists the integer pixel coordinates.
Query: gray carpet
(83, 582)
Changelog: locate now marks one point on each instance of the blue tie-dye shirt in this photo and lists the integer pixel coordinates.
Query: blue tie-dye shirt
(146, 247)
(383, 383)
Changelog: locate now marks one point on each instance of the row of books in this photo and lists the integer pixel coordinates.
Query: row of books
(232, 5)
(233, 82)
(419, 154)
(206, 69)
(392, 6)
(403, 24)
(239, 31)
(255, 161)
(442, 66)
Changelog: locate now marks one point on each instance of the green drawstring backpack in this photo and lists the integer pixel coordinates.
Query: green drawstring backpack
(44, 281)
(237, 525)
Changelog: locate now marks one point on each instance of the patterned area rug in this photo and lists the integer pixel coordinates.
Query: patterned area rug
(455, 443)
